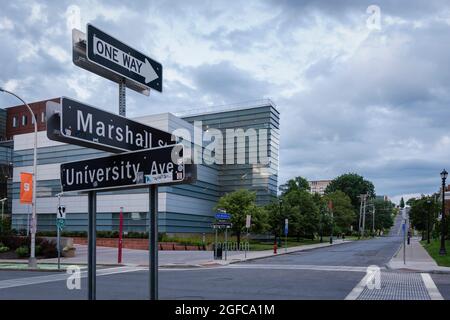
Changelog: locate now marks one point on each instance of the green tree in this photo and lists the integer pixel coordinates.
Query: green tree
(275, 217)
(343, 213)
(240, 203)
(423, 212)
(384, 214)
(352, 185)
(324, 223)
(296, 184)
(402, 203)
(302, 212)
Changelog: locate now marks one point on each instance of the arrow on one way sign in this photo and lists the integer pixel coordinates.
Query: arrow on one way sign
(125, 60)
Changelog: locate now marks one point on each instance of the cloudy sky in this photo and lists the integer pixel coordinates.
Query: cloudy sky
(357, 91)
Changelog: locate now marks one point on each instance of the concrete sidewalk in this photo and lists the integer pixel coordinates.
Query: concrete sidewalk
(417, 259)
(172, 259)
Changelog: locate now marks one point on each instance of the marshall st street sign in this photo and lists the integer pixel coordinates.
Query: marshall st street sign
(114, 55)
(74, 122)
(163, 165)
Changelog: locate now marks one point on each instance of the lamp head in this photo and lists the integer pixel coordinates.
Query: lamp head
(444, 174)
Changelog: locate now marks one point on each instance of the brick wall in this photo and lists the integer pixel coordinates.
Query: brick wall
(138, 244)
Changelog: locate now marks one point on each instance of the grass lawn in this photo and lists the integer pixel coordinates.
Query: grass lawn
(433, 251)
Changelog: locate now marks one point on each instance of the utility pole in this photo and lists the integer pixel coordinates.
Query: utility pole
(373, 222)
(364, 198)
(360, 212)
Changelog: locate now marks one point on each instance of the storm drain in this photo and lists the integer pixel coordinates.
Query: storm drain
(397, 286)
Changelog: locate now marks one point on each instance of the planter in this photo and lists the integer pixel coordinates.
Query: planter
(134, 243)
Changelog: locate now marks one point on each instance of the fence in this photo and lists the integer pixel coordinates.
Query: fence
(233, 246)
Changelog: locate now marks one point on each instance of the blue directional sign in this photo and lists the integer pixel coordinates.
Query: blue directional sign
(223, 216)
(116, 56)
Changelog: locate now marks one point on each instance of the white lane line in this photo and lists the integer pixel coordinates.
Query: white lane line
(296, 267)
(433, 291)
(62, 277)
(358, 289)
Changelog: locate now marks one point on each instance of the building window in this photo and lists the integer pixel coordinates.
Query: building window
(24, 120)
(14, 122)
(32, 119)
(42, 116)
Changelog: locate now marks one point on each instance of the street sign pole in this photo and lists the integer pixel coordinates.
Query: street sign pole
(92, 204)
(286, 230)
(58, 245)
(153, 235)
(404, 242)
(119, 253)
(122, 98)
(215, 245)
(245, 249)
(226, 243)
(58, 239)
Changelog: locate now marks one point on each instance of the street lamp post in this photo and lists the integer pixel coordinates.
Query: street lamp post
(428, 220)
(442, 250)
(32, 261)
(3, 209)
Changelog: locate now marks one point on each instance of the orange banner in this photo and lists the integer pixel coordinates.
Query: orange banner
(26, 188)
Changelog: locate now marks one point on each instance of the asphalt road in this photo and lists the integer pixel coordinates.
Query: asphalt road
(325, 273)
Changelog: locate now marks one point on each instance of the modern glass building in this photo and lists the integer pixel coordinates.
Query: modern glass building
(256, 120)
(182, 208)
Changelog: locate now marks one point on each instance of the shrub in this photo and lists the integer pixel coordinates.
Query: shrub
(46, 234)
(136, 235)
(22, 252)
(5, 225)
(47, 248)
(14, 242)
(78, 234)
(3, 248)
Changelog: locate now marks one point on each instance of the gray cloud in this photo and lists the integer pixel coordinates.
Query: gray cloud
(380, 109)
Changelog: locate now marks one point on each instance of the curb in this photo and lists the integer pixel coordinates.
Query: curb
(406, 269)
(283, 253)
(207, 265)
(387, 264)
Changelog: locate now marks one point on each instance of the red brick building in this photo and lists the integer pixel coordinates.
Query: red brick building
(19, 119)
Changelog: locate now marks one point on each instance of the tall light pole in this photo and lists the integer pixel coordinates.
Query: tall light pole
(442, 250)
(428, 220)
(3, 205)
(32, 261)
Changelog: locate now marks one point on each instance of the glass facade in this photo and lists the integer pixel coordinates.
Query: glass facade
(259, 177)
(182, 208)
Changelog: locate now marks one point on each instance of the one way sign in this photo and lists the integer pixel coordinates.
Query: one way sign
(116, 56)
(61, 212)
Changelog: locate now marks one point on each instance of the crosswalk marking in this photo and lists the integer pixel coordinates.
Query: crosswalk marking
(62, 277)
(397, 286)
(431, 287)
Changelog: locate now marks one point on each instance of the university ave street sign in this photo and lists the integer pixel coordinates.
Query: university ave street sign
(116, 56)
(74, 122)
(163, 165)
